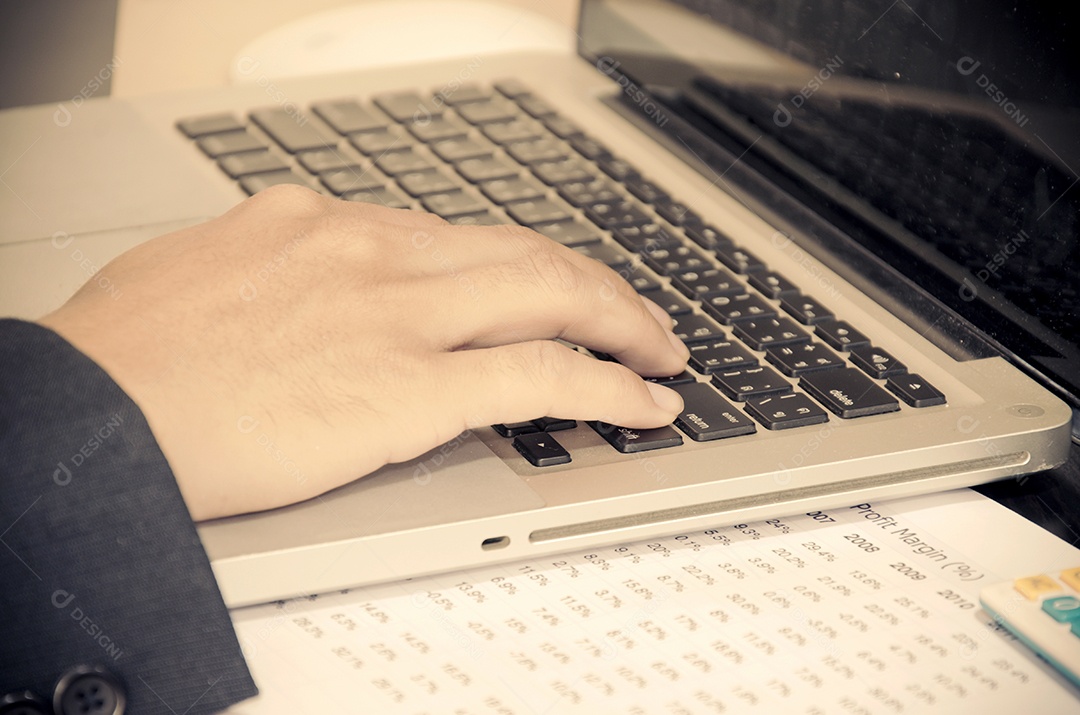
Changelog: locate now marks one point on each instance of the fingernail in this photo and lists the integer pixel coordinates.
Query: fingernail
(665, 398)
(659, 313)
(679, 345)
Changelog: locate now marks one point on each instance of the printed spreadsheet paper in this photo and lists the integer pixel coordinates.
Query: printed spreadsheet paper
(862, 610)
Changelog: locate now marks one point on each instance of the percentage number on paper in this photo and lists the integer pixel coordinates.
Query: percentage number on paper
(762, 564)
(748, 530)
(817, 549)
(866, 579)
(790, 558)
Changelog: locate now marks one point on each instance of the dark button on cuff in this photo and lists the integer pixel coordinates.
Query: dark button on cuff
(85, 690)
(24, 703)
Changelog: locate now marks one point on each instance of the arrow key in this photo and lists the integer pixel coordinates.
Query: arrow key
(541, 449)
(915, 391)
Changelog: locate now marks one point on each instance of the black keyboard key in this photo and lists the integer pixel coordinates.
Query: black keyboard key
(554, 424)
(251, 162)
(554, 173)
(512, 88)
(513, 429)
(608, 255)
(748, 382)
(761, 333)
(438, 130)
(622, 213)
(568, 233)
(215, 145)
(704, 284)
(380, 142)
(640, 280)
(536, 151)
(672, 303)
(513, 131)
(381, 196)
(840, 335)
(848, 393)
(778, 412)
(214, 124)
(503, 191)
(421, 183)
(589, 147)
(805, 309)
(679, 259)
(403, 162)
(671, 380)
(772, 284)
(453, 203)
(541, 449)
(454, 150)
(708, 237)
(528, 213)
(492, 111)
(708, 416)
(646, 238)
(319, 160)
(795, 360)
(561, 127)
(293, 132)
(645, 190)
(487, 169)
(255, 183)
(739, 260)
(677, 213)
(717, 355)
(347, 116)
(875, 362)
(352, 179)
(731, 309)
(536, 107)
(915, 391)
(628, 440)
(464, 93)
(484, 218)
(590, 192)
(616, 168)
(693, 328)
(408, 107)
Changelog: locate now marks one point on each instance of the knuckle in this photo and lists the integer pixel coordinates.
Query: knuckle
(298, 201)
(558, 274)
(540, 362)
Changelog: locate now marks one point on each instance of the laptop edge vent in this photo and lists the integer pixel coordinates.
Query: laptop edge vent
(727, 505)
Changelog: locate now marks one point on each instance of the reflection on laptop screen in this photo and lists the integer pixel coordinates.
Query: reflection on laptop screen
(940, 135)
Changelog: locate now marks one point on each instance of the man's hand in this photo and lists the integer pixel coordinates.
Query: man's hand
(299, 342)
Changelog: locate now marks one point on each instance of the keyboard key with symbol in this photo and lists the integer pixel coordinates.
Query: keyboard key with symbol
(628, 440)
(778, 412)
(915, 391)
(848, 393)
(708, 416)
(541, 449)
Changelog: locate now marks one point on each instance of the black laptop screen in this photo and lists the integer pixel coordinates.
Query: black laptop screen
(945, 131)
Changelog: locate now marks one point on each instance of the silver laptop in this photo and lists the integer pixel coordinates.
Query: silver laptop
(860, 218)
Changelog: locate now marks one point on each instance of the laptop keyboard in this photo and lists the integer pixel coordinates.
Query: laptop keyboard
(763, 354)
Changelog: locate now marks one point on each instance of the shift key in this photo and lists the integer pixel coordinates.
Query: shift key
(628, 440)
(706, 415)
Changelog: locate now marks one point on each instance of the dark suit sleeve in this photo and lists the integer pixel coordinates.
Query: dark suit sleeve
(100, 563)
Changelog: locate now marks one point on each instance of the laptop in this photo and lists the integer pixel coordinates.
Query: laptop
(862, 216)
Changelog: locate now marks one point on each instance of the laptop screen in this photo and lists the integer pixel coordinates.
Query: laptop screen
(942, 135)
